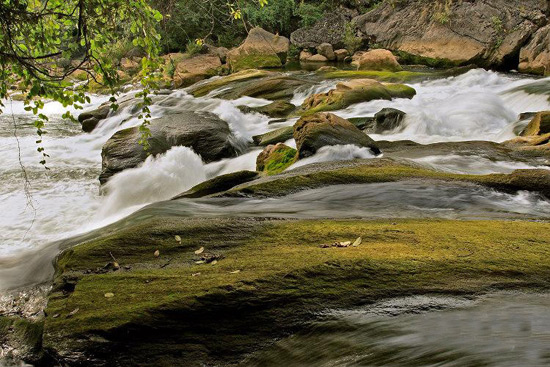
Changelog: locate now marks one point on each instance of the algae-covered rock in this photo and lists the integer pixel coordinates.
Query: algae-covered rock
(321, 129)
(277, 109)
(272, 279)
(20, 340)
(355, 91)
(207, 134)
(378, 59)
(536, 136)
(203, 89)
(278, 87)
(539, 125)
(275, 158)
(273, 137)
(218, 184)
(261, 49)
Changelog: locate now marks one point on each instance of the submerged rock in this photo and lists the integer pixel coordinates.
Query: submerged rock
(321, 129)
(203, 89)
(261, 49)
(487, 33)
(207, 134)
(376, 60)
(275, 158)
(359, 90)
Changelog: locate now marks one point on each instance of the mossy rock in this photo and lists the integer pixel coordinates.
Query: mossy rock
(279, 87)
(539, 125)
(381, 76)
(23, 337)
(277, 109)
(276, 158)
(219, 184)
(203, 89)
(273, 137)
(384, 170)
(274, 277)
(348, 93)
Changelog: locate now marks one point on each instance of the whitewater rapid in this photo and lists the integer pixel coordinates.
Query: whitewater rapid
(65, 200)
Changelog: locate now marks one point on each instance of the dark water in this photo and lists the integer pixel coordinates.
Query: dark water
(504, 330)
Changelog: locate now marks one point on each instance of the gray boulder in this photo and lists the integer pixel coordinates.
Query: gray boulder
(388, 119)
(208, 135)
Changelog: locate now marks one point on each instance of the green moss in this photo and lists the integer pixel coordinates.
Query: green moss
(23, 335)
(386, 170)
(255, 61)
(280, 159)
(382, 76)
(159, 312)
(407, 58)
(338, 99)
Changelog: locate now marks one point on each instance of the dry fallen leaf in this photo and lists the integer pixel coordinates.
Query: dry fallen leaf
(157, 253)
(195, 274)
(178, 238)
(109, 295)
(357, 242)
(199, 262)
(199, 251)
(73, 312)
(234, 272)
(214, 262)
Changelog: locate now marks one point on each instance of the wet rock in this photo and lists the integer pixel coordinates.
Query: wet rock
(275, 158)
(205, 133)
(305, 55)
(539, 125)
(188, 71)
(487, 33)
(273, 137)
(341, 54)
(278, 87)
(535, 56)
(90, 119)
(218, 184)
(317, 58)
(261, 49)
(381, 60)
(203, 89)
(536, 136)
(330, 29)
(276, 109)
(363, 123)
(321, 129)
(359, 90)
(327, 51)
(388, 119)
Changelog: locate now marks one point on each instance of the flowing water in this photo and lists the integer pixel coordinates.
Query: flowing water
(63, 202)
(500, 330)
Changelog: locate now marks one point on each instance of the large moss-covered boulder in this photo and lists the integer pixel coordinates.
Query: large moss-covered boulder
(207, 134)
(378, 59)
(261, 49)
(275, 158)
(321, 129)
(354, 91)
(535, 56)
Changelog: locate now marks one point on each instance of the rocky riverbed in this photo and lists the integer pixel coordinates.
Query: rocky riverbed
(268, 200)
